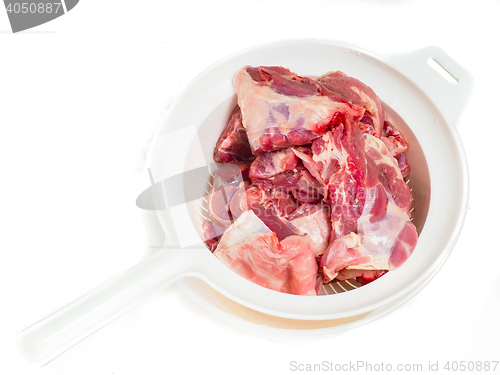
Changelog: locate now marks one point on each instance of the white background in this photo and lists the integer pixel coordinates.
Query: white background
(80, 99)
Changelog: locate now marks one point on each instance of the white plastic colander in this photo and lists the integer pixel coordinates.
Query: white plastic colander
(426, 88)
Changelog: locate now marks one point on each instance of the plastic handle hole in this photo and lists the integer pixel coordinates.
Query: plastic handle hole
(442, 70)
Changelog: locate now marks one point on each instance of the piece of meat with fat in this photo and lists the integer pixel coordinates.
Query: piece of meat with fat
(342, 253)
(340, 158)
(383, 245)
(231, 173)
(314, 220)
(218, 205)
(275, 170)
(272, 163)
(384, 237)
(239, 203)
(272, 207)
(383, 168)
(271, 215)
(232, 144)
(212, 233)
(285, 181)
(307, 188)
(357, 93)
(225, 184)
(248, 224)
(288, 266)
(284, 202)
(397, 146)
(305, 154)
(281, 109)
(393, 139)
(248, 196)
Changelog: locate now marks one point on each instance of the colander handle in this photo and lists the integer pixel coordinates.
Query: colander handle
(53, 335)
(445, 82)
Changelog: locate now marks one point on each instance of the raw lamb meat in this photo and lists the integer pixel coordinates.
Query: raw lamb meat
(385, 236)
(314, 220)
(247, 225)
(369, 250)
(225, 184)
(281, 109)
(275, 170)
(272, 207)
(358, 93)
(233, 142)
(311, 187)
(270, 210)
(287, 266)
(397, 145)
(307, 188)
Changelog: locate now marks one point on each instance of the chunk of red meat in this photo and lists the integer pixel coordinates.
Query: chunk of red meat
(247, 225)
(301, 210)
(325, 155)
(238, 203)
(248, 196)
(218, 205)
(307, 188)
(305, 154)
(337, 161)
(393, 139)
(392, 180)
(339, 154)
(405, 243)
(275, 170)
(343, 252)
(379, 207)
(281, 109)
(233, 142)
(284, 202)
(397, 145)
(271, 216)
(211, 234)
(382, 245)
(284, 82)
(288, 266)
(314, 220)
(272, 163)
(302, 266)
(356, 92)
(403, 164)
(384, 236)
(285, 181)
(229, 174)
(272, 207)
(225, 184)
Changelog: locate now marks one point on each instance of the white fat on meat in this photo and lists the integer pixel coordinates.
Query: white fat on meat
(267, 113)
(385, 236)
(315, 223)
(288, 266)
(373, 144)
(247, 225)
(379, 238)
